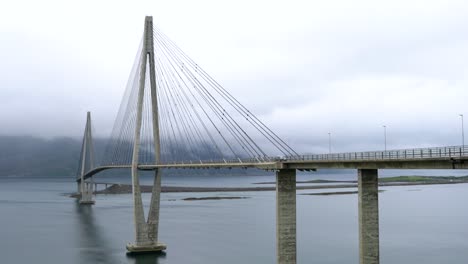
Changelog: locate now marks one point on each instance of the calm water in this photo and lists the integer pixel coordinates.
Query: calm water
(419, 224)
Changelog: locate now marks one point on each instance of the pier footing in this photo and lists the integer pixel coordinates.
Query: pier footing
(87, 194)
(133, 248)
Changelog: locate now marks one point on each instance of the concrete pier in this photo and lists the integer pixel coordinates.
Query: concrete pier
(286, 216)
(87, 193)
(368, 216)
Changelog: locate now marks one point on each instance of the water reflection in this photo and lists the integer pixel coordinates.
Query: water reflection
(148, 258)
(92, 244)
(95, 247)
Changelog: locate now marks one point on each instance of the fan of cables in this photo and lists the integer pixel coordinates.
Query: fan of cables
(199, 120)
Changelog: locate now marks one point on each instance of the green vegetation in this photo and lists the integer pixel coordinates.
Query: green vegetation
(432, 179)
(213, 198)
(334, 193)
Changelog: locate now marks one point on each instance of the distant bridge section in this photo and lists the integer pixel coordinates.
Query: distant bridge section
(450, 157)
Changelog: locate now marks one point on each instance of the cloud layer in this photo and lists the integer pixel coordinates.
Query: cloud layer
(305, 67)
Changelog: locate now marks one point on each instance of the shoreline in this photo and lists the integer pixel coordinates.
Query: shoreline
(127, 188)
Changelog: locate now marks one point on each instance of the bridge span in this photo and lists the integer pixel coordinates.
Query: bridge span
(367, 164)
(174, 115)
(449, 157)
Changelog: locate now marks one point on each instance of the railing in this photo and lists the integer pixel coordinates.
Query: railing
(451, 152)
(401, 154)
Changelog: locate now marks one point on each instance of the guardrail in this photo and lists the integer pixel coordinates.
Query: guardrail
(400, 154)
(417, 153)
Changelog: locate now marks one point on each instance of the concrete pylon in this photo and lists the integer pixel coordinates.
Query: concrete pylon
(286, 216)
(368, 216)
(146, 232)
(86, 188)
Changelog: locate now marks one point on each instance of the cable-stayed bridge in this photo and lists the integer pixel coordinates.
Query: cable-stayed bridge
(174, 115)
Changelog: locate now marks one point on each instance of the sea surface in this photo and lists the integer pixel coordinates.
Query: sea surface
(418, 224)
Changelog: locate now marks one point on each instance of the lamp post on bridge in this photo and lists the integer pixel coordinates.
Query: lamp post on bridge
(385, 137)
(463, 132)
(329, 142)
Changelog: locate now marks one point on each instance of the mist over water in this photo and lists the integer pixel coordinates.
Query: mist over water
(418, 224)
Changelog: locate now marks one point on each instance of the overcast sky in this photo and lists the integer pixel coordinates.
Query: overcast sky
(305, 67)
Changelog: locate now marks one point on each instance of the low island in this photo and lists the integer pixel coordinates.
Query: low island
(317, 184)
(116, 188)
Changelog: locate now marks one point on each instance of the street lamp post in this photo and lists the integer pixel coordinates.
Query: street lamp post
(385, 137)
(463, 132)
(329, 142)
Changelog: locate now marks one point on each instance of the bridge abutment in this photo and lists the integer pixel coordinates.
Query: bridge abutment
(286, 216)
(368, 216)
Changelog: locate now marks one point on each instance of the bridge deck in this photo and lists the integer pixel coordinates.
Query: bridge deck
(454, 157)
(424, 163)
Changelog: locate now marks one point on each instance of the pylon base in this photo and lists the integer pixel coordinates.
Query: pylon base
(87, 202)
(158, 247)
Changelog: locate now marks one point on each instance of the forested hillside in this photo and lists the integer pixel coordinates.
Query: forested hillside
(32, 156)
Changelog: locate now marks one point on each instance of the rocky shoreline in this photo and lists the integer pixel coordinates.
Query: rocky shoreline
(127, 188)
(319, 184)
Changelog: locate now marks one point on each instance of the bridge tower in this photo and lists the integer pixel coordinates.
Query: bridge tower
(146, 232)
(85, 188)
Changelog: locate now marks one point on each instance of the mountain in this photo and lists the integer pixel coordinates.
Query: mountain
(32, 156)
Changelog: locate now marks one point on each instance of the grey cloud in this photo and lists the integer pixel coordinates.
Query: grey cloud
(305, 68)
